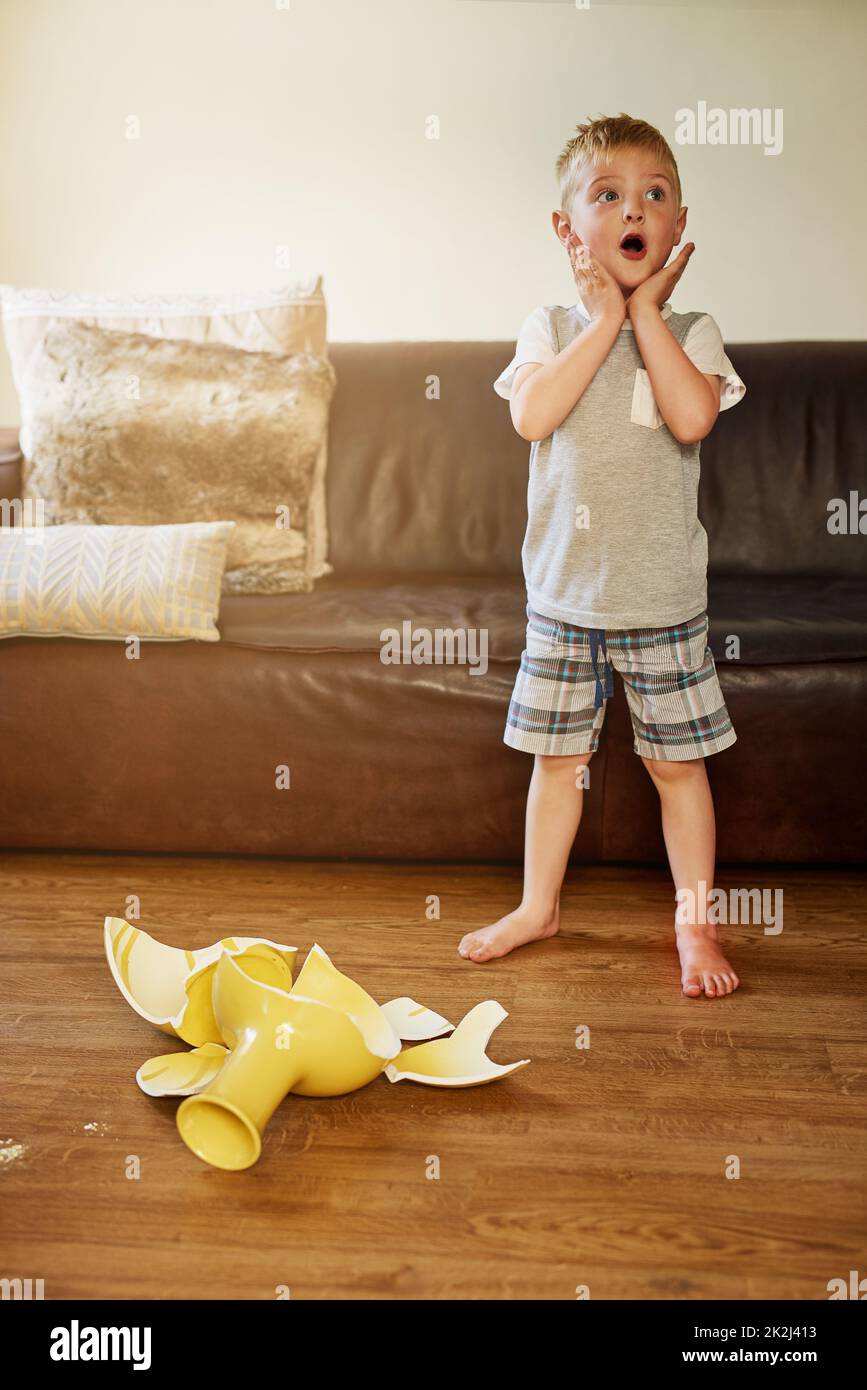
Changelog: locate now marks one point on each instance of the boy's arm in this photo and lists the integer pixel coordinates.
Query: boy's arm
(543, 395)
(688, 399)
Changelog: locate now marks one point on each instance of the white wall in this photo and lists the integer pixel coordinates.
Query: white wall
(304, 127)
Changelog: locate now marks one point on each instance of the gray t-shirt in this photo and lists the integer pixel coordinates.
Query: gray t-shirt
(613, 538)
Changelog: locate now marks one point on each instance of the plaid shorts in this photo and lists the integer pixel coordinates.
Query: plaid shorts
(672, 689)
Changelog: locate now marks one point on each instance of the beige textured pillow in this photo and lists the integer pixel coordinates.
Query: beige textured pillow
(289, 319)
(159, 583)
(129, 429)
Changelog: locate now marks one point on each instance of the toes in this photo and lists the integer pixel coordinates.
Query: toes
(475, 949)
(715, 984)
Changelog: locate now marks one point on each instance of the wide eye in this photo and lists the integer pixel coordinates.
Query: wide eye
(607, 190)
(660, 191)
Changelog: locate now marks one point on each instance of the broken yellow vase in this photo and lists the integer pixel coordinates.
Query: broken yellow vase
(412, 1021)
(181, 1073)
(460, 1060)
(325, 1037)
(171, 988)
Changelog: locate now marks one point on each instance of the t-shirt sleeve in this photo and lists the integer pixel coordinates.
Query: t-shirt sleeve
(533, 345)
(704, 347)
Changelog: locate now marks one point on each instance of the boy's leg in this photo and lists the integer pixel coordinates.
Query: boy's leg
(679, 717)
(690, 840)
(554, 804)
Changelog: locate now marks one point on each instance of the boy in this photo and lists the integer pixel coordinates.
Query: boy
(614, 395)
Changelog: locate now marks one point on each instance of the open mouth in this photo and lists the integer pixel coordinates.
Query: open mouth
(633, 247)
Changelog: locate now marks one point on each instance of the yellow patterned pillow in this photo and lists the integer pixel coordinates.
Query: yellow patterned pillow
(157, 583)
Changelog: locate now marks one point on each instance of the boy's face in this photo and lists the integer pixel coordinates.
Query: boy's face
(631, 194)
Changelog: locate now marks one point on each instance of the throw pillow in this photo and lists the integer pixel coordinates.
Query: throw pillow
(286, 320)
(159, 583)
(130, 429)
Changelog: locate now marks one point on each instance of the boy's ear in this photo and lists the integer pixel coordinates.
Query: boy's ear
(562, 227)
(680, 225)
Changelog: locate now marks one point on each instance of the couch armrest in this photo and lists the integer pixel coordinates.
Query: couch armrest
(10, 463)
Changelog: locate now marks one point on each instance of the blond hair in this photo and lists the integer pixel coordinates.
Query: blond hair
(598, 141)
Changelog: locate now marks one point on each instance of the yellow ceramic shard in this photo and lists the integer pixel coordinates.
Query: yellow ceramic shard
(460, 1060)
(321, 982)
(325, 1037)
(412, 1021)
(181, 1073)
(171, 988)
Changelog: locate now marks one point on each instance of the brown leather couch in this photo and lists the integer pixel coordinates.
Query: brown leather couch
(178, 751)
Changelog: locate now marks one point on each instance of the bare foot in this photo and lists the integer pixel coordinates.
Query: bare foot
(704, 968)
(515, 929)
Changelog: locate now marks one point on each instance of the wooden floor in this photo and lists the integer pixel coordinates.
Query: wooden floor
(603, 1167)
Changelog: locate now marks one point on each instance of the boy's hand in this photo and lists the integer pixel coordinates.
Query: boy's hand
(600, 293)
(658, 288)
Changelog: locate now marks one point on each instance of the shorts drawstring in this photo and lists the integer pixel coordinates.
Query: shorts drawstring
(597, 635)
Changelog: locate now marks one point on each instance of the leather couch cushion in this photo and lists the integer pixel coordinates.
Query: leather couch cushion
(788, 619)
